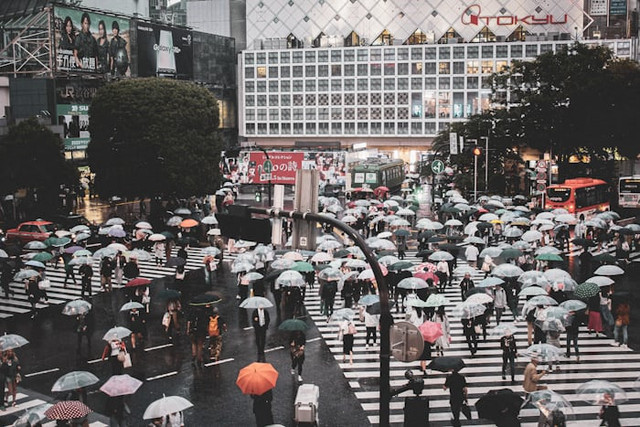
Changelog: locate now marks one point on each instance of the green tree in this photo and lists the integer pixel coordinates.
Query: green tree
(154, 137)
(33, 159)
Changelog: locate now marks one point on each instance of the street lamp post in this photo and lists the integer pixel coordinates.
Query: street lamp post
(269, 184)
(486, 162)
(475, 178)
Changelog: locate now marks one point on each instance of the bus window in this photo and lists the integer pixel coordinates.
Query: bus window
(371, 178)
(359, 178)
(559, 194)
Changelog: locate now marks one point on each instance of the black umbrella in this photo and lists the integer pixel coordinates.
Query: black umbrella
(449, 247)
(424, 254)
(385, 253)
(455, 238)
(426, 234)
(169, 294)
(585, 243)
(205, 299)
(436, 239)
(273, 275)
(12, 250)
(484, 225)
(342, 253)
(175, 262)
(446, 364)
(187, 241)
(499, 405)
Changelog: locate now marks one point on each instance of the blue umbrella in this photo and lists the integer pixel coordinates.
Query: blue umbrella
(369, 300)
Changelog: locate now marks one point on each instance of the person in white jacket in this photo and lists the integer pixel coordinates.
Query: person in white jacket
(499, 302)
(371, 322)
(442, 342)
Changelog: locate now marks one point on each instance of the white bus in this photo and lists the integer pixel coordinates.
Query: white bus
(629, 192)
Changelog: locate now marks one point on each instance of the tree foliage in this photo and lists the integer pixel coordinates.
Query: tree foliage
(33, 159)
(154, 136)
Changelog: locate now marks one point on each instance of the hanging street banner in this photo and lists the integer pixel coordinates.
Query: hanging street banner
(279, 168)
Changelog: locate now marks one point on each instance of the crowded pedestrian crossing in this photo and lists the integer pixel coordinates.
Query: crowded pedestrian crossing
(58, 294)
(599, 359)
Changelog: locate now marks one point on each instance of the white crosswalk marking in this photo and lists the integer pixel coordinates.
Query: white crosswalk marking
(599, 360)
(58, 294)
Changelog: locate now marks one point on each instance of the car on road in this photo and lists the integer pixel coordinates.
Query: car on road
(30, 230)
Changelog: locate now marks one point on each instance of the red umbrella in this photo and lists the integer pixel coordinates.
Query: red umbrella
(482, 210)
(430, 331)
(426, 266)
(425, 275)
(380, 190)
(68, 410)
(138, 281)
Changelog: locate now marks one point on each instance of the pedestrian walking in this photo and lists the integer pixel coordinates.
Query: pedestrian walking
(131, 269)
(138, 326)
(499, 302)
(262, 408)
(158, 252)
(260, 320)
(457, 385)
(609, 412)
(470, 335)
(118, 267)
(216, 327)
(444, 341)
(175, 419)
(86, 273)
(34, 293)
(106, 270)
(553, 338)
(113, 351)
(595, 319)
(346, 334)
(84, 329)
(197, 329)
(605, 312)
(620, 334)
(509, 352)
(402, 247)
(68, 268)
(296, 351)
(209, 267)
(7, 278)
(371, 323)
(573, 323)
(171, 319)
(11, 371)
(442, 271)
(466, 284)
(471, 255)
(532, 377)
(179, 276)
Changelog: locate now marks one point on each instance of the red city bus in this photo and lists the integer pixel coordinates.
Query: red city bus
(580, 196)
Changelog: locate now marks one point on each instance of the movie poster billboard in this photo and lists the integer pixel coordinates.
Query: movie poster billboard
(164, 51)
(73, 97)
(89, 42)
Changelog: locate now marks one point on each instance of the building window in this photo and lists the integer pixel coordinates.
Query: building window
(336, 85)
(323, 71)
(363, 55)
(531, 50)
(458, 67)
(389, 113)
(349, 84)
(416, 128)
(430, 53)
(502, 51)
(323, 85)
(336, 114)
(375, 69)
(349, 128)
(444, 83)
(249, 87)
(298, 128)
(261, 86)
(403, 113)
(336, 99)
(297, 71)
(444, 52)
(336, 55)
(250, 114)
(472, 51)
(310, 56)
(376, 113)
(323, 99)
(444, 105)
(285, 57)
(389, 99)
(249, 59)
(285, 128)
(416, 83)
(274, 129)
(273, 100)
(403, 54)
(376, 99)
(375, 55)
(487, 67)
(310, 99)
(472, 67)
(416, 53)
(336, 128)
(389, 128)
(285, 114)
(430, 104)
(261, 72)
(376, 84)
(298, 114)
(458, 82)
(458, 52)
(262, 128)
(349, 55)
(390, 84)
(389, 69)
(458, 105)
(262, 114)
(310, 85)
(262, 100)
(349, 99)
(310, 128)
(285, 71)
(544, 48)
(363, 128)
(336, 70)
(403, 98)
(376, 128)
(297, 57)
(309, 70)
(487, 51)
(323, 56)
(430, 83)
(416, 68)
(363, 113)
(285, 86)
(472, 82)
(273, 85)
(261, 58)
(249, 100)
(501, 66)
(250, 128)
(273, 72)
(363, 84)
(249, 73)
(323, 128)
(349, 113)
(349, 70)
(310, 114)
(323, 113)
(430, 68)
(297, 85)
(389, 54)
(516, 51)
(444, 68)
(430, 128)
(363, 99)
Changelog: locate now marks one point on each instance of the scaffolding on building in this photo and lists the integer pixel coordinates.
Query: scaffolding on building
(27, 48)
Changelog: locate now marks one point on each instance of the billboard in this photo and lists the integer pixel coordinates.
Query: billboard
(73, 97)
(94, 43)
(164, 51)
(281, 167)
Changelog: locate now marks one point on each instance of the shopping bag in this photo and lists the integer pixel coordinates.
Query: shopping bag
(44, 284)
(166, 319)
(466, 410)
(127, 361)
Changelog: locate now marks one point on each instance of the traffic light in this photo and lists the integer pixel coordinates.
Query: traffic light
(477, 151)
(258, 196)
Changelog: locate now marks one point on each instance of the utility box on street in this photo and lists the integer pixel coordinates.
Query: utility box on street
(306, 200)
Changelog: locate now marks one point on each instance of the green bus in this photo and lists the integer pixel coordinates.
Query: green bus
(375, 172)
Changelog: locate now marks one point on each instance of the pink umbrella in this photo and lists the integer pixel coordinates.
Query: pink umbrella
(120, 385)
(426, 266)
(424, 275)
(430, 331)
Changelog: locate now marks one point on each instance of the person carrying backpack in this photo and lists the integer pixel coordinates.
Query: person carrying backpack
(216, 327)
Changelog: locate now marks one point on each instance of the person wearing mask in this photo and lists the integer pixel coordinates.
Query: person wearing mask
(457, 385)
(499, 302)
(466, 284)
(509, 352)
(260, 321)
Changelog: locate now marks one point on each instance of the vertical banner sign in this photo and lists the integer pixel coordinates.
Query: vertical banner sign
(461, 144)
(164, 51)
(281, 167)
(453, 143)
(92, 43)
(73, 97)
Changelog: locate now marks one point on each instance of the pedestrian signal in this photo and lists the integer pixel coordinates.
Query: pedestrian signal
(258, 196)
(477, 151)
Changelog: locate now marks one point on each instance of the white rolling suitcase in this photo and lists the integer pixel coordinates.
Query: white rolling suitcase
(306, 405)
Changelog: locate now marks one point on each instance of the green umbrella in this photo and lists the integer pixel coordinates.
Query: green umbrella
(511, 253)
(548, 257)
(57, 242)
(402, 232)
(293, 325)
(169, 294)
(586, 290)
(342, 253)
(302, 267)
(42, 257)
(400, 265)
(205, 299)
(604, 258)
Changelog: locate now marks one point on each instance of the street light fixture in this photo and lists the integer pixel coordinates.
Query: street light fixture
(477, 152)
(486, 162)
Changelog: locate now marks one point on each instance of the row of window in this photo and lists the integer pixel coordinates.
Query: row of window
(400, 53)
(361, 85)
(347, 128)
(376, 69)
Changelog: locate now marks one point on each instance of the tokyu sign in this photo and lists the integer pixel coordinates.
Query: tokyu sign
(473, 15)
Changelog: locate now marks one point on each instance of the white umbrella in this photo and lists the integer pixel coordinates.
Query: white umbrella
(385, 235)
(609, 270)
(402, 223)
(488, 217)
(114, 221)
(512, 232)
(118, 247)
(507, 270)
(157, 237)
(405, 212)
(256, 302)
(545, 215)
(321, 257)
(474, 240)
(601, 281)
(453, 223)
(531, 236)
(116, 333)
(209, 220)
(349, 219)
(165, 406)
(144, 225)
(556, 274)
(441, 256)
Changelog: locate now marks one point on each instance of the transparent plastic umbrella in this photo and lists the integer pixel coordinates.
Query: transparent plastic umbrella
(542, 300)
(479, 298)
(290, 278)
(436, 300)
(507, 270)
(595, 392)
(412, 283)
(489, 282)
(468, 310)
(532, 291)
(504, 329)
(76, 307)
(74, 380)
(440, 256)
(242, 267)
(116, 333)
(343, 314)
(11, 341)
(573, 305)
(165, 406)
(330, 275)
(609, 270)
(546, 352)
(551, 401)
(601, 281)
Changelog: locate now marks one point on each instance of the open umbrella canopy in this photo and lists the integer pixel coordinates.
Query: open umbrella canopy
(573, 305)
(542, 300)
(489, 282)
(556, 274)
(68, 410)
(400, 265)
(166, 406)
(436, 300)
(412, 283)
(531, 236)
(293, 325)
(25, 274)
(602, 281)
(446, 364)
(369, 300)
(532, 291)
(41, 257)
(244, 266)
(479, 298)
(33, 416)
(291, 278)
(121, 385)
(35, 245)
(504, 329)
(499, 405)
(205, 299)
(551, 401)
(586, 290)
(545, 352)
(157, 237)
(549, 257)
(343, 314)
(252, 276)
(11, 341)
(609, 270)
(57, 242)
(74, 380)
(116, 333)
(440, 256)
(138, 281)
(430, 331)
(257, 378)
(35, 264)
(595, 392)
(76, 307)
(507, 270)
(188, 223)
(128, 306)
(468, 310)
(256, 302)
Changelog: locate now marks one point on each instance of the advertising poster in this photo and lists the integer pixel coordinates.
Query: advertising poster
(164, 51)
(88, 42)
(282, 170)
(73, 97)
(618, 7)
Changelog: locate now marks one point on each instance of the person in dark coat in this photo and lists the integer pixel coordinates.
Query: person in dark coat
(84, 328)
(470, 335)
(197, 329)
(465, 285)
(457, 385)
(509, 351)
(262, 408)
(260, 320)
(86, 272)
(7, 278)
